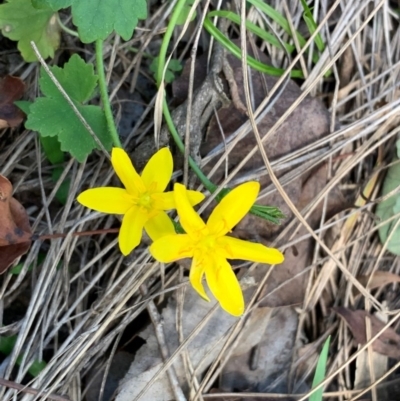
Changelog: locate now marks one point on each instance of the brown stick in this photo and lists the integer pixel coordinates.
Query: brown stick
(31, 390)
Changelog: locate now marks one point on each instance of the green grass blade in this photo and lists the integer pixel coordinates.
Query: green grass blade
(320, 372)
(312, 26)
(235, 50)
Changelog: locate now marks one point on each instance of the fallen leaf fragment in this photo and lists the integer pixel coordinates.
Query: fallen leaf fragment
(378, 279)
(388, 343)
(11, 89)
(15, 230)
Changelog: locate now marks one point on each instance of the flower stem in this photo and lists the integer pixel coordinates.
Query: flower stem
(104, 95)
(268, 213)
(65, 28)
(167, 115)
(178, 141)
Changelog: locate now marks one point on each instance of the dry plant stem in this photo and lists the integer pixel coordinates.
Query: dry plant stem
(176, 353)
(70, 102)
(31, 390)
(282, 192)
(75, 234)
(268, 165)
(160, 335)
(108, 365)
(247, 126)
(190, 93)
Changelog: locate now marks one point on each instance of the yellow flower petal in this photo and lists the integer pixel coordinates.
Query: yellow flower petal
(196, 276)
(195, 197)
(131, 230)
(126, 172)
(159, 225)
(235, 248)
(232, 208)
(166, 200)
(189, 219)
(225, 286)
(172, 247)
(158, 170)
(106, 200)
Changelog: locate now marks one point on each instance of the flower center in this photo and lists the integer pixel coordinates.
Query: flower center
(206, 244)
(145, 201)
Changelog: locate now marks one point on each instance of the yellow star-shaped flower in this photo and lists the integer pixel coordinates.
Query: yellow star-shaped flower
(210, 248)
(143, 201)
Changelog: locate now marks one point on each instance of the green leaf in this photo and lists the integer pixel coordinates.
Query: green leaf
(173, 66)
(52, 116)
(76, 77)
(18, 268)
(320, 372)
(185, 13)
(391, 206)
(312, 26)
(52, 149)
(96, 19)
(21, 22)
(63, 190)
(36, 367)
(54, 5)
(7, 344)
(23, 105)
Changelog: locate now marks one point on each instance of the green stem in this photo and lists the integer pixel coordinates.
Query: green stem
(178, 141)
(104, 95)
(167, 115)
(269, 213)
(167, 38)
(65, 28)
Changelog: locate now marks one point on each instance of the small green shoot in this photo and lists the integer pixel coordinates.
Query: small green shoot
(391, 206)
(312, 26)
(36, 367)
(7, 344)
(79, 81)
(63, 190)
(18, 268)
(174, 66)
(21, 22)
(185, 13)
(320, 372)
(236, 51)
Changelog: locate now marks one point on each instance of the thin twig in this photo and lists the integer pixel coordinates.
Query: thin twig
(31, 390)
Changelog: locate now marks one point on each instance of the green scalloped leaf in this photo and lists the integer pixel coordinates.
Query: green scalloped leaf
(21, 22)
(96, 19)
(54, 5)
(52, 116)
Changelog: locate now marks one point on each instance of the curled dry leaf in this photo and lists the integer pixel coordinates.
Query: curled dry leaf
(11, 89)
(387, 344)
(15, 230)
(378, 279)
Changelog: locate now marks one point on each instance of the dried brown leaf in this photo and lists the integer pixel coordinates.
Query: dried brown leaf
(388, 343)
(15, 230)
(11, 89)
(378, 279)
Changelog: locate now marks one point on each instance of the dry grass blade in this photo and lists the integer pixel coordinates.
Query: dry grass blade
(84, 302)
